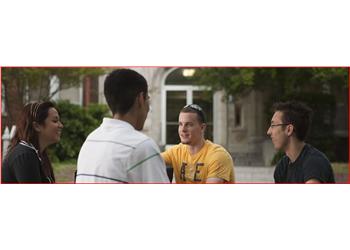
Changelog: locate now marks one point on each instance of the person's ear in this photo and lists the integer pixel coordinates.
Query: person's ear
(36, 127)
(140, 98)
(290, 129)
(203, 127)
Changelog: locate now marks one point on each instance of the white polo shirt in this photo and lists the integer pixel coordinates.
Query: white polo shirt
(116, 152)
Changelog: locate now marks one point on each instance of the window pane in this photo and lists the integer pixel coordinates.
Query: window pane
(175, 101)
(238, 115)
(172, 136)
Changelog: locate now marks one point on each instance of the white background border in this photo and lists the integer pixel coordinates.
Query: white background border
(174, 33)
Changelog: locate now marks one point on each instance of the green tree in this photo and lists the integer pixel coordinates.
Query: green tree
(279, 81)
(318, 87)
(20, 83)
(78, 123)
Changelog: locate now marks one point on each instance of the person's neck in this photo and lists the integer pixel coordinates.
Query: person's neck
(131, 119)
(43, 145)
(294, 149)
(194, 149)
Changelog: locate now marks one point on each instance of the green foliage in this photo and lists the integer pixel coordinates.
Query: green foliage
(78, 123)
(232, 80)
(316, 87)
(98, 112)
(280, 81)
(276, 158)
(23, 84)
(38, 78)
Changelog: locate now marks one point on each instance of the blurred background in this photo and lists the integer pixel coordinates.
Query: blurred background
(237, 102)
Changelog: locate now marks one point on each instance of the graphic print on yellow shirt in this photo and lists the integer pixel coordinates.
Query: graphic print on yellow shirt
(191, 173)
(212, 161)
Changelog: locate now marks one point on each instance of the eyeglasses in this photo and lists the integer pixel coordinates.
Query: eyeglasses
(281, 124)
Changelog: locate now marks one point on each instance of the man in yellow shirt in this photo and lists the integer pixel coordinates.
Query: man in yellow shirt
(196, 160)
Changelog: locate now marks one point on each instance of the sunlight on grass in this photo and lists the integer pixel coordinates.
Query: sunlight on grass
(64, 171)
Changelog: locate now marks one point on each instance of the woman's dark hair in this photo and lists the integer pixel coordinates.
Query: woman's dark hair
(121, 87)
(33, 112)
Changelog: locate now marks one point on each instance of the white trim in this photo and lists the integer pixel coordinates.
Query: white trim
(163, 106)
(163, 116)
(81, 93)
(54, 86)
(185, 88)
(189, 97)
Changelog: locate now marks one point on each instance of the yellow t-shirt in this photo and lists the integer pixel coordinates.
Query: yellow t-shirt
(212, 161)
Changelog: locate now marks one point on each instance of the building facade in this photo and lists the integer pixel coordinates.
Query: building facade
(238, 124)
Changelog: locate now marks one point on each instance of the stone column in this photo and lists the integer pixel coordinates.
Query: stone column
(220, 118)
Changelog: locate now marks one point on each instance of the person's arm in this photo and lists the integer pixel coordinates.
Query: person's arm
(315, 170)
(215, 180)
(146, 164)
(220, 168)
(166, 157)
(26, 168)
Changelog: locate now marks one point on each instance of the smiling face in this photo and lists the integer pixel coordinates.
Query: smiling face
(191, 131)
(50, 131)
(278, 132)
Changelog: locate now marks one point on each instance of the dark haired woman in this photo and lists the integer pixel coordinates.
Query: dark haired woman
(26, 161)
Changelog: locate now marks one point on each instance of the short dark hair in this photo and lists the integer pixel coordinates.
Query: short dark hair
(194, 108)
(296, 113)
(121, 87)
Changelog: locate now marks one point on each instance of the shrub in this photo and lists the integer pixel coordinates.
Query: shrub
(78, 123)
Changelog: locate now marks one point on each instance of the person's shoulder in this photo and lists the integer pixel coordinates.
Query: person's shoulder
(120, 132)
(144, 141)
(315, 157)
(215, 148)
(20, 149)
(139, 139)
(23, 152)
(313, 154)
(217, 151)
(96, 133)
(283, 162)
(177, 147)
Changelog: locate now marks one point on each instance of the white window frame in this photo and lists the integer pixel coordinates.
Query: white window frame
(54, 86)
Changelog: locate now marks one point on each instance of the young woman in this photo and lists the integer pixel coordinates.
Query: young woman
(26, 161)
